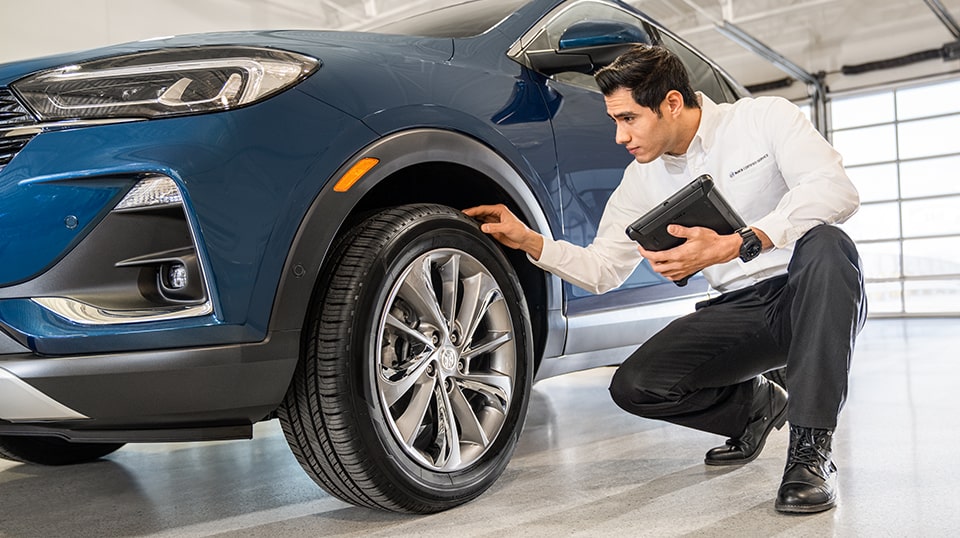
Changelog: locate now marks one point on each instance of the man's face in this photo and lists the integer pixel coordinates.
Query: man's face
(645, 135)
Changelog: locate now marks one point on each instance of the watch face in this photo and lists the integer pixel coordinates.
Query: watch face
(751, 246)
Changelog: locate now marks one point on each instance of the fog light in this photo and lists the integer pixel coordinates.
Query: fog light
(172, 277)
(177, 276)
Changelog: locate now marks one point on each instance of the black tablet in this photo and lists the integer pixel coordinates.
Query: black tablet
(697, 204)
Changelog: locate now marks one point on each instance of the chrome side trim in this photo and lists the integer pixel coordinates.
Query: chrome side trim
(37, 128)
(9, 346)
(208, 305)
(87, 314)
(565, 364)
(20, 402)
(624, 327)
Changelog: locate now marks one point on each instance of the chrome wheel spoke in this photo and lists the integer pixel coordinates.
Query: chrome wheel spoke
(392, 321)
(487, 347)
(417, 290)
(394, 390)
(472, 430)
(410, 422)
(479, 292)
(450, 278)
(448, 436)
(497, 387)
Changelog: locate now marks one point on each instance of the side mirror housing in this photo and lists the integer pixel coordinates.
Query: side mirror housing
(587, 46)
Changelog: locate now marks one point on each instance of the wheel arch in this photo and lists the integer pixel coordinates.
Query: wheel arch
(430, 166)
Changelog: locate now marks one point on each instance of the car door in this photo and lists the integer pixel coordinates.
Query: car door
(591, 165)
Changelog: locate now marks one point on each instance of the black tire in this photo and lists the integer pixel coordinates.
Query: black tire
(52, 450)
(352, 415)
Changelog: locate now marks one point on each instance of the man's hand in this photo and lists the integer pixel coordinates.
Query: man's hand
(703, 248)
(506, 228)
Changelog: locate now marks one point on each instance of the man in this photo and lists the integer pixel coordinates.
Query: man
(799, 303)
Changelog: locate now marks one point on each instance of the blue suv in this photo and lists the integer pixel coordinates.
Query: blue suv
(207, 231)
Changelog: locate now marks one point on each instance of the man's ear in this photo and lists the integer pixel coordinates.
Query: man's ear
(674, 103)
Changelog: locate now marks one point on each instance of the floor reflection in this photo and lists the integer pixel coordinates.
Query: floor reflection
(582, 467)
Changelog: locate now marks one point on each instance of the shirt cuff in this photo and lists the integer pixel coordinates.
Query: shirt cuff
(549, 255)
(777, 228)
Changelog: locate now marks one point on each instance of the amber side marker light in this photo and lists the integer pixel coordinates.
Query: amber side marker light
(355, 173)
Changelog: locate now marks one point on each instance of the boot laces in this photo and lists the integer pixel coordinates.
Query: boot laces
(810, 450)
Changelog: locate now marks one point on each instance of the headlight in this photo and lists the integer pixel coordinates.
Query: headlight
(169, 82)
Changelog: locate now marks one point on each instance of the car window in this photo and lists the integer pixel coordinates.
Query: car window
(461, 20)
(703, 77)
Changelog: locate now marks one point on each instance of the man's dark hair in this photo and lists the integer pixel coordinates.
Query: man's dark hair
(649, 72)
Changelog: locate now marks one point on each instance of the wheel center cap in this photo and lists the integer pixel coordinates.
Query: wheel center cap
(448, 358)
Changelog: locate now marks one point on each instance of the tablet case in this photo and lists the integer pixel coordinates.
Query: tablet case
(697, 204)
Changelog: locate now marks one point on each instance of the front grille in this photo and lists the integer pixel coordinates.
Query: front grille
(12, 115)
(9, 147)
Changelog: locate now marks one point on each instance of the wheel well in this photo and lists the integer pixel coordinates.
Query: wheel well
(460, 186)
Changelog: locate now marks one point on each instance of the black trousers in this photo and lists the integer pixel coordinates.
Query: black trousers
(700, 371)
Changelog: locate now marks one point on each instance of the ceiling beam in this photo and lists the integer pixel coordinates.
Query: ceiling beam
(945, 17)
(726, 10)
(814, 83)
(755, 16)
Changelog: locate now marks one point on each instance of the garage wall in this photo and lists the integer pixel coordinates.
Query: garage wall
(900, 147)
(43, 27)
(821, 38)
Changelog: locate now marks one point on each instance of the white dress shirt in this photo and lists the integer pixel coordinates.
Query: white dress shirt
(765, 158)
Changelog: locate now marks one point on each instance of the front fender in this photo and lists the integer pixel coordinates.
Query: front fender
(325, 219)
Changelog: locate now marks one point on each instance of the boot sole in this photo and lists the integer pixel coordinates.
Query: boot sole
(777, 422)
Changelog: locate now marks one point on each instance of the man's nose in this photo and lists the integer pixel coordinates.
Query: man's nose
(622, 136)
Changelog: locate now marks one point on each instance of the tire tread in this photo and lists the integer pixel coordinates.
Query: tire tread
(316, 416)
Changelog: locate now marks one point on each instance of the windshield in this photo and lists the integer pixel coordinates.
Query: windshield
(462, 20)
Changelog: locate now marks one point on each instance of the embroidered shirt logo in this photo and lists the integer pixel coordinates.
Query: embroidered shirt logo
(750, 165)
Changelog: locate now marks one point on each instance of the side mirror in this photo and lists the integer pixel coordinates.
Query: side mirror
(587, 46)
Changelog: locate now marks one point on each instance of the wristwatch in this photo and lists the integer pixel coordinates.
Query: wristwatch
(751, 246)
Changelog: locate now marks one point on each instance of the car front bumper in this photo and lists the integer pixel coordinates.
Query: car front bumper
(162, 395)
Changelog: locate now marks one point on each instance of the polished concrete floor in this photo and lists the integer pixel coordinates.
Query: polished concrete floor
(583, 468)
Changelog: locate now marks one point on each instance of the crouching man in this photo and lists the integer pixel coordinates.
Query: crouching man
(791, 283)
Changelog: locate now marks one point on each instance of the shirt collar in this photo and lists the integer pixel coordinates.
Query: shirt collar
(709, 117)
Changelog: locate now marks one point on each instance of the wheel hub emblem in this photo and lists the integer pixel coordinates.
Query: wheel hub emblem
(448, 358)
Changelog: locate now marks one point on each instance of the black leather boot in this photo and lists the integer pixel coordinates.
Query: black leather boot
(810, 478)
(769, 412)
